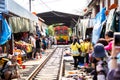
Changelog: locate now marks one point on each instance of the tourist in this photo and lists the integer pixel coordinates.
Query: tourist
(75, 53)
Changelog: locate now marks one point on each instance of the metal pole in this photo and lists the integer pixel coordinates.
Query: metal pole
(30, 5)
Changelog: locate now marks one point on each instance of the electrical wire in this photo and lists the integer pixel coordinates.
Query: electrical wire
(33, 7)
(51, 1)
(52, 11)
(45, 4)
(56, 13)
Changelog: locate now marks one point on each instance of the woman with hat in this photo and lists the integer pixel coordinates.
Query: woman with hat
(98, 63)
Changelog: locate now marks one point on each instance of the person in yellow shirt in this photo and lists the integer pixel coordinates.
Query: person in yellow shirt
(88, 49)
(75, 53)
(82, 54)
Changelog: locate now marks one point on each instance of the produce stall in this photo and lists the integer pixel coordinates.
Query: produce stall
(18, 20)
(23, 45)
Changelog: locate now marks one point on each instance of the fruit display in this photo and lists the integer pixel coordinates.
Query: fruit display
(23, 45)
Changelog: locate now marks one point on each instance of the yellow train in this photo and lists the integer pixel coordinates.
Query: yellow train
(62, 34)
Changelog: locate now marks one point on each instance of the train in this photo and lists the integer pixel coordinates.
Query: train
(61, 34)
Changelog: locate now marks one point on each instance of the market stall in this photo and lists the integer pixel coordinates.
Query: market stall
(15, 20)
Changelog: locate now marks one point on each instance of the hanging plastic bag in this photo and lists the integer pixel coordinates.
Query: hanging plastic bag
(5, 33)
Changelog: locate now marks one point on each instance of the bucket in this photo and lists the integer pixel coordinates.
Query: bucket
(23, 66)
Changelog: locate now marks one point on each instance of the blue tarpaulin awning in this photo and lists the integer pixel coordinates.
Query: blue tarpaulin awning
(5, 33)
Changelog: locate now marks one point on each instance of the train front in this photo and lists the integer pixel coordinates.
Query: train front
(61, 34)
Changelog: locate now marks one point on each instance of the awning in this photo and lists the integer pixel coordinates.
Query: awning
(7, 6)
(19, 24)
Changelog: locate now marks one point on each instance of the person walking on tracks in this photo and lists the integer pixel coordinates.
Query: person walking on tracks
(38, 46)
(75, 53)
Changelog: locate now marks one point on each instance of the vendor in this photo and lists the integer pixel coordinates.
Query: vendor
(18, 53)
(11, 69)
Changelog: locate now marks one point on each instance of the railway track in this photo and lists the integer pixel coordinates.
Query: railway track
(51, 68)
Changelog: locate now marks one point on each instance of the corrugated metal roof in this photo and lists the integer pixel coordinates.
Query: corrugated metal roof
(54, 17)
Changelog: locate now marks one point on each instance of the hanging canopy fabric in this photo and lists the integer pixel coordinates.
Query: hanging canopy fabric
(99, 19)
(25, 25)
(32, 28)
(19, 24)
(15, 24)
(83, 26)
(5, 33)
(110, 19)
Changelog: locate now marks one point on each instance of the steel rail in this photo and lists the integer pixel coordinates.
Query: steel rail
(34, 73)
(61, 70)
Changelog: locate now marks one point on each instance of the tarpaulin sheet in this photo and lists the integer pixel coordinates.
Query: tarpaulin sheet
(15, 23)
(110, 20)
(99, 19)
(25, 25)
(5, 33)
(83, 26)
(19, 24)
